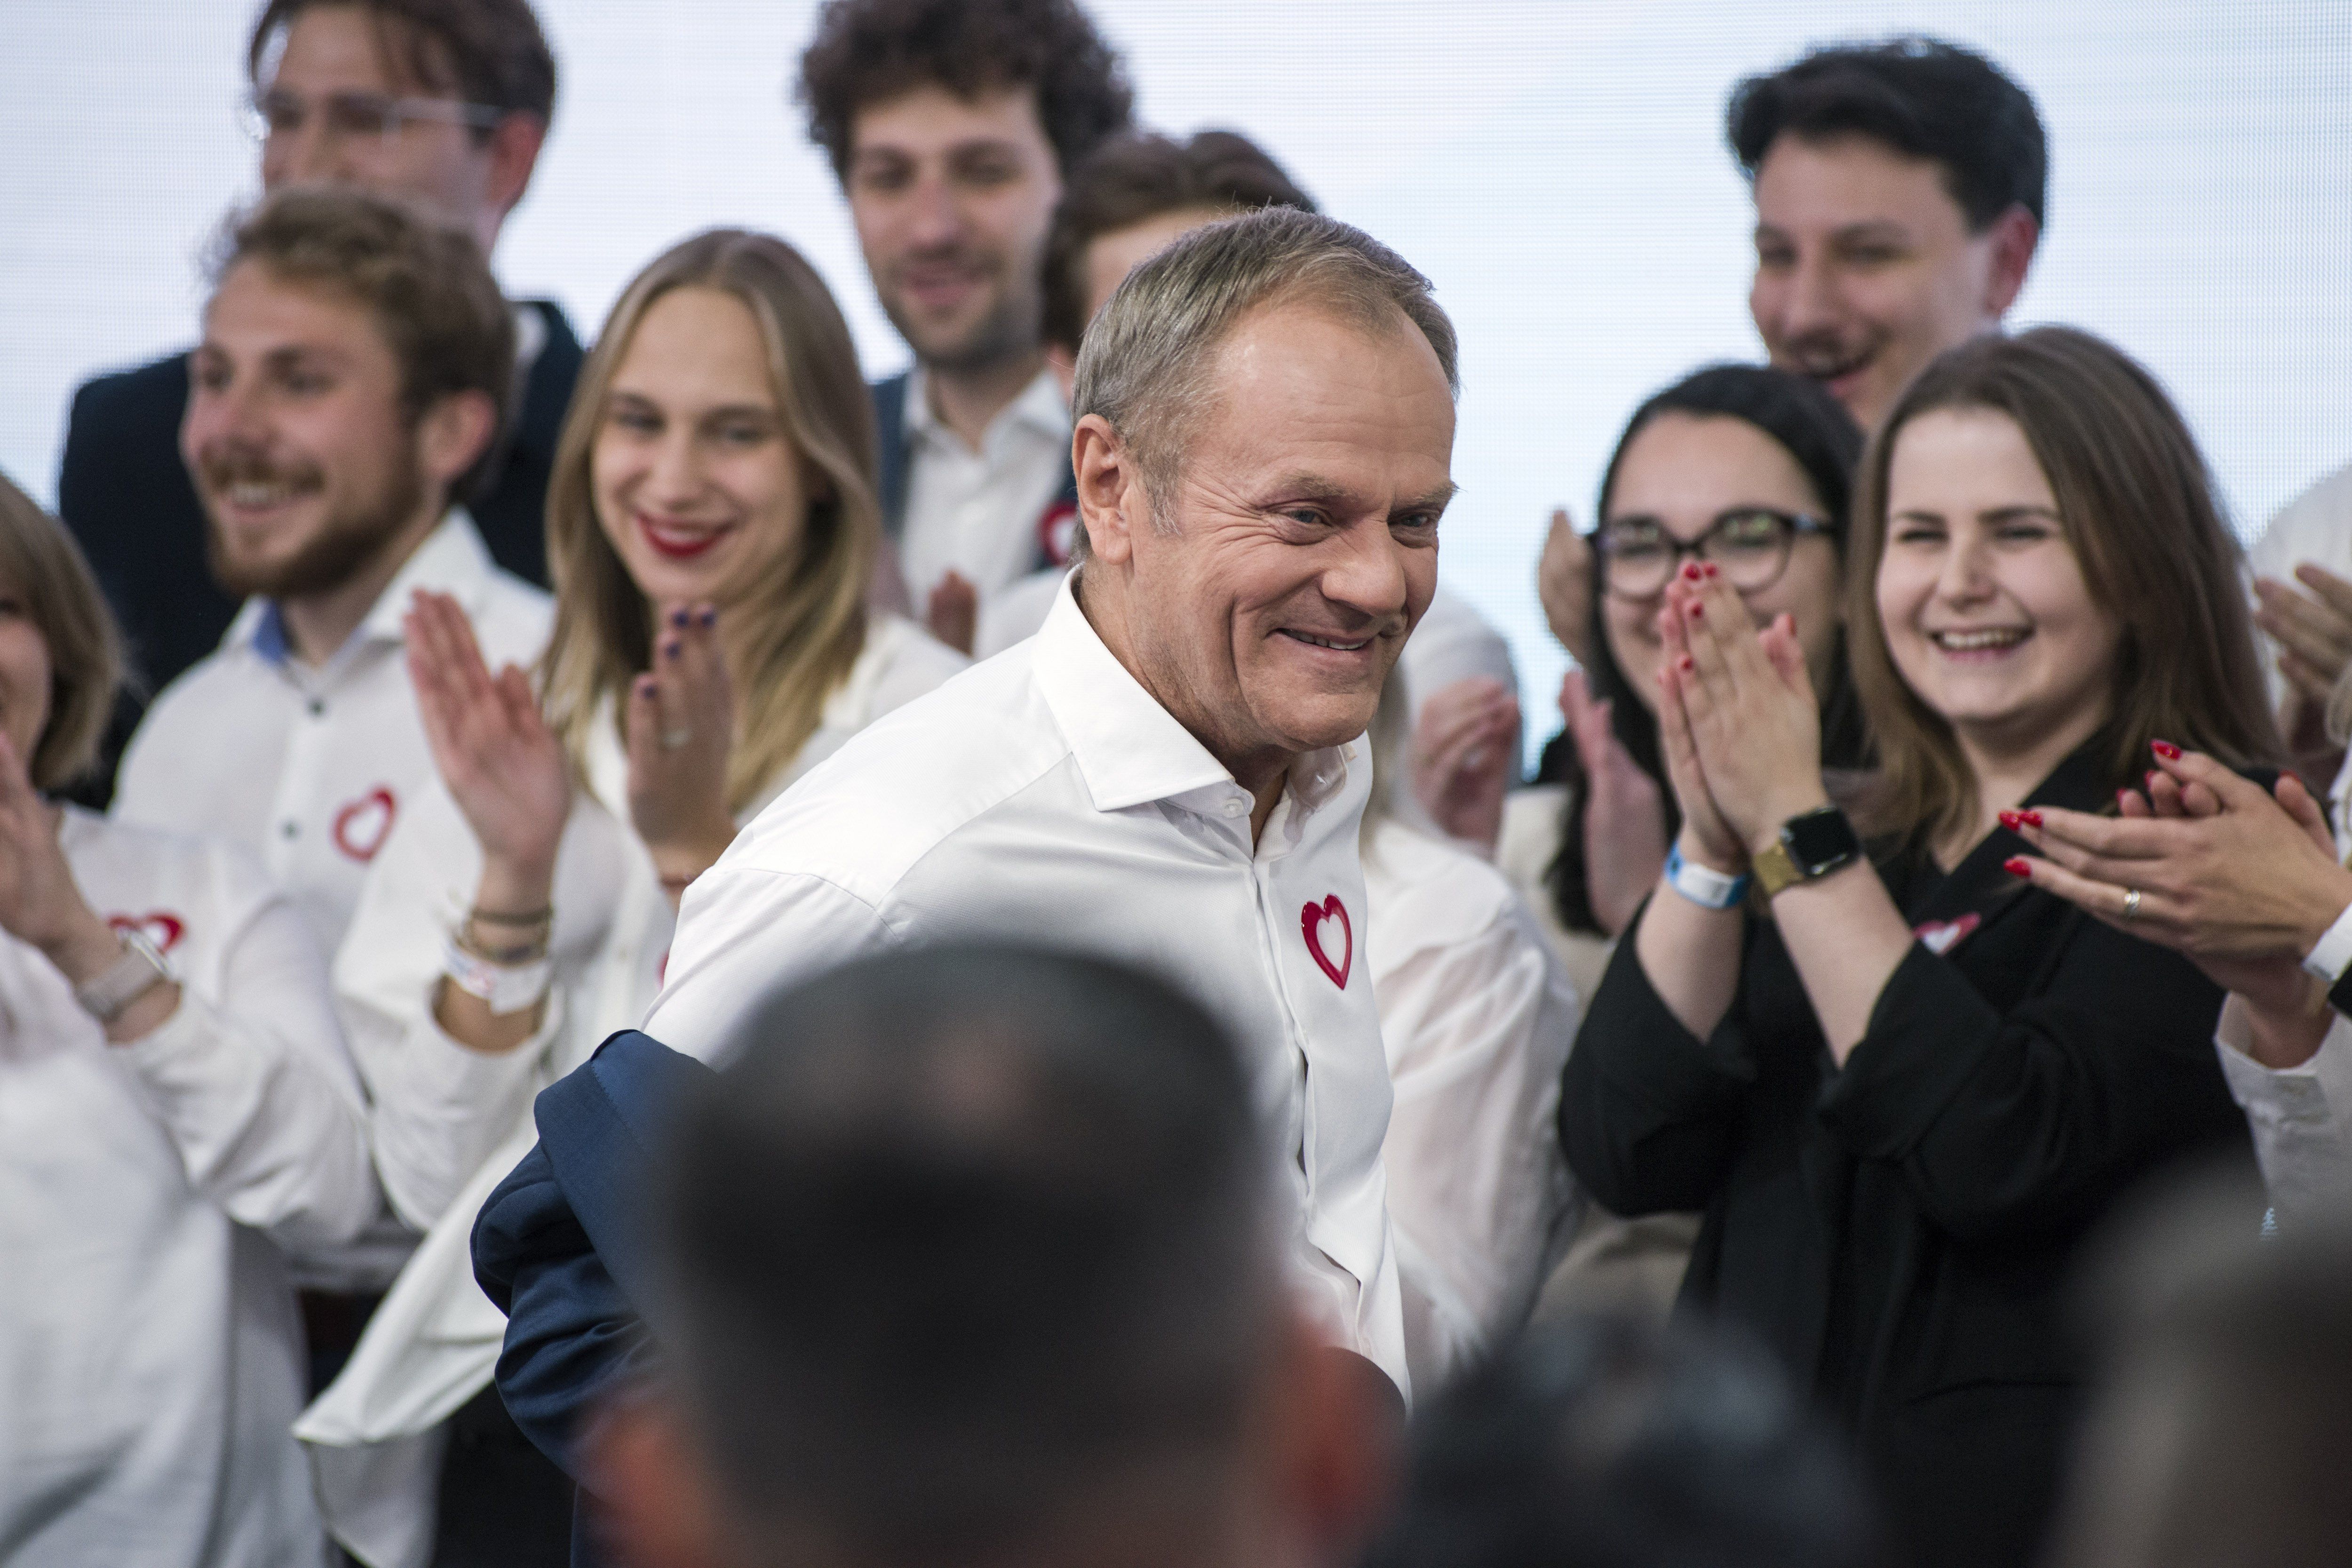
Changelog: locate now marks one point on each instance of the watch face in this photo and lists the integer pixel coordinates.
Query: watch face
(1819, 840)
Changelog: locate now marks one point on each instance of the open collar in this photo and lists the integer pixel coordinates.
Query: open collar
(451, 560)
(1039, 407)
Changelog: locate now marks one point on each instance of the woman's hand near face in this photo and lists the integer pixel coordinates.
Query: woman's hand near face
(681, 729)
(1625, 812)
(502, 763)
(1707, 837)
(1753, 722)
(1464, 750)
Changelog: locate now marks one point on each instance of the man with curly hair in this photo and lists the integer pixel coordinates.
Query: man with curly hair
(952, 124)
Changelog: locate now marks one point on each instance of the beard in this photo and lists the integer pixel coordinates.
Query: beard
(348, 540)
(1008, 330)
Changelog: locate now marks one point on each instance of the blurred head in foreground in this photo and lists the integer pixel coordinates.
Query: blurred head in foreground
(2218, 1438)
(1614, 1443)
(970, 1258)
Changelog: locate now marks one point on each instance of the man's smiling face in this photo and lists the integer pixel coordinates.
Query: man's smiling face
(1297, 545)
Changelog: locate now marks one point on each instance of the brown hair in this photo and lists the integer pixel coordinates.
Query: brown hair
(426, 284)
(488, 52)
(1134, 178)
(2140, 511)
(40, 563)
(867, 51)
(811, 624)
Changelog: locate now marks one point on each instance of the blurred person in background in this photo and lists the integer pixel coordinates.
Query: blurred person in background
(1476, 1015)
(1899, 192)
(952, 125)
(356, 362)
(1170, 772)
(1749, 468)
(2303, 603)
(444, 103)
(2224, 1406)
(712, 528)
(177, 1106)
(1902, 1084)
(969, 1256)
(1137, 193)
(1605, 1442)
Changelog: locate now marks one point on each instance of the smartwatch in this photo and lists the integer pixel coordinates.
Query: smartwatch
(1810, 845)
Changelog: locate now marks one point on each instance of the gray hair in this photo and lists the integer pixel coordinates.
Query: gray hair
(1144, 365)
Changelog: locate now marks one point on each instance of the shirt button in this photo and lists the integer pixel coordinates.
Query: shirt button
(1234, 808)
(289, 830)
(317, 708)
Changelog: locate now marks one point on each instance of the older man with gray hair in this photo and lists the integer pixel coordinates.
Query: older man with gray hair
(1171, 773)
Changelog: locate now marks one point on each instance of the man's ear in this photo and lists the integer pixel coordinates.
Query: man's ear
(2014, 236)
(1111, 503)
(649, 1496)
(454, 432)
(513, 152)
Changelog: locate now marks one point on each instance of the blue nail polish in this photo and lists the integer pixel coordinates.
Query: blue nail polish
(710, 617)
(671, 649)
(677, 618)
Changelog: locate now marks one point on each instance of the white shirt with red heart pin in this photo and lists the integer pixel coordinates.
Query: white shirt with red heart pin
(308, 770)
(1046, 798)
(151, 1356)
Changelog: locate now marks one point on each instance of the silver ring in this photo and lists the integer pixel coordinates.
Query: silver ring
(671, 739)
(2131, 903)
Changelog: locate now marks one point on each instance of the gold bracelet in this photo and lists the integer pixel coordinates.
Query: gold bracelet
(499, 918)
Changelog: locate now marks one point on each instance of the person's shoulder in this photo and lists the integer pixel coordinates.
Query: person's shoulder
(157, 386)
(2316, 525)
(908, 781)
(1445, 892)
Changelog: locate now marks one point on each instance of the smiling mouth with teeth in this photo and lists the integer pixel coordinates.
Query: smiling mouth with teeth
(1329, 643)
(1979, 642)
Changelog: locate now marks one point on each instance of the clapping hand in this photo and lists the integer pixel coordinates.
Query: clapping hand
(502, 763)
(1466, 749)
(951, 613)
(40, 903)
(1739, 723)
(1564, 586)
(1625, 813)
(2313, 629)
(681, 729)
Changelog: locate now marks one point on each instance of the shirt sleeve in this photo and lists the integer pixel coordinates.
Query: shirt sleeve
(257, 1093)
(1650, 1113)
(2301, 1116)
(744, 933)
(1477, 1031)
(2034, 1118)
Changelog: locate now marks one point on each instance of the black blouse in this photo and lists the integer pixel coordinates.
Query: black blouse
(1901, 1230)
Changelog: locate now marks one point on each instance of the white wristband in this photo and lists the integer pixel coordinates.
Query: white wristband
(2331, 955)
(1702, 885)
(504, 988)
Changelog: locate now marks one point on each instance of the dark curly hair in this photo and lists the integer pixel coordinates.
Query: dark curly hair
(867, 50)
(1134, 178)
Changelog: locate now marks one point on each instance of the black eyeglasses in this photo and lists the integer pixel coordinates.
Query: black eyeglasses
(1748, 544)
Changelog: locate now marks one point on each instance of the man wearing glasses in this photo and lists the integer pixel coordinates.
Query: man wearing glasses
(443, 102)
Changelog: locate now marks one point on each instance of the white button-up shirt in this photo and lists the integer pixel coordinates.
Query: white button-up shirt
(1477, 1016)
(151, 1360)
(310, 769)
(1046, 798)
(982, 513)
(451, 1122)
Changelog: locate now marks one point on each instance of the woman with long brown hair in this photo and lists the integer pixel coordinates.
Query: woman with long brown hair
(711, 530)
(1902, 1083)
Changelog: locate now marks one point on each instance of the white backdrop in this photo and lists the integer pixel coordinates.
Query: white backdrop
(1557, 167)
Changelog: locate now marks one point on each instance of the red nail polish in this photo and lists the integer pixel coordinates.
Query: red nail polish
(1690, 571)
(2166, 749)
(1685, 665)
(1709, 568)
(2018, 866)
(1696, 609)
(2010, 820)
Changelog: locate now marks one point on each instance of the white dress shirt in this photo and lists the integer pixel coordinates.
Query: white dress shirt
(982, 513)
(2301, 1116)
(1046, 798)
(1477, 1016)
(451, 1122)
(2317, 526)
(151, 1358)
(311, 769)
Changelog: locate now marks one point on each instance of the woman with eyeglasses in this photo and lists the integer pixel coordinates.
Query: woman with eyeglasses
(1904, 1084)
(1747, 467)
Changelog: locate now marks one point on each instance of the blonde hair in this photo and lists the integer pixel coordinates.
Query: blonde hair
(807, 625)
(57, 593)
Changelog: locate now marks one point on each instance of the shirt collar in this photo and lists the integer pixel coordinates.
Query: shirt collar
(1039, 407)
(1128, 748)
(452, 559)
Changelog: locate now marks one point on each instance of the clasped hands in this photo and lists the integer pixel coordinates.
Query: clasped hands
(507, 770)
(2241, 879)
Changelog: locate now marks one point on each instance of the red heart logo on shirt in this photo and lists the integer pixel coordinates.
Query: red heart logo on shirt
(361, 826)
(1311, 922)
(1939, 937)
(162, 928)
